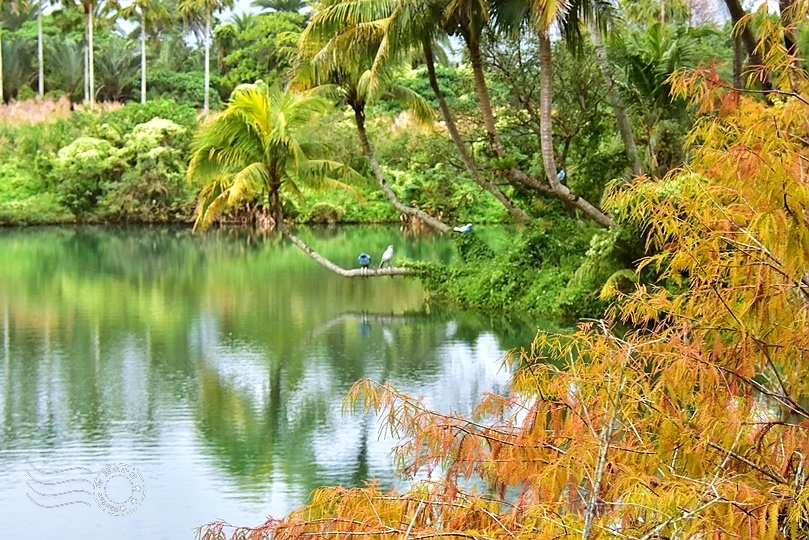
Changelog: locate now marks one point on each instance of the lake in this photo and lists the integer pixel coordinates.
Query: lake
(179, 378)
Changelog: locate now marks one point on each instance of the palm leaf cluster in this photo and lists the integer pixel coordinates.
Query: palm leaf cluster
(261, 144)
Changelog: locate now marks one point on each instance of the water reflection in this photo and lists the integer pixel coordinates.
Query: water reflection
(215, 365)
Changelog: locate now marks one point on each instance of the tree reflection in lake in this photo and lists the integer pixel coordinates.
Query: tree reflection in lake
(216, 365)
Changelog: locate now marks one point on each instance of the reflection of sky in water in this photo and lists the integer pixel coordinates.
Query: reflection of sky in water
(179, 383)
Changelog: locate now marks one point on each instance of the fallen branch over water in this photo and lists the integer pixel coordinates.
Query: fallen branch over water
(354, 272)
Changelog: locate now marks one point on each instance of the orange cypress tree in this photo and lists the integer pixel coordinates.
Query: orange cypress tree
(694, 425)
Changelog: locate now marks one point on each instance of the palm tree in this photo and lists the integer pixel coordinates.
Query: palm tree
(200, 14)
(543, 16)
(2, 22)
(66, 69)
(260, 143)
(150, 13)
(40, 53)
(116, 68)
(279, 5)
(345, 65)
(411, 25)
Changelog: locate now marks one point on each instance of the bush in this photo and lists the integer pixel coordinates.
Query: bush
(324, 212)
(80, 167)
(153, 186)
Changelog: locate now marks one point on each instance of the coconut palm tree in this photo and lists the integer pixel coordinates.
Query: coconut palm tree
(412, 25)
(279, 5)
(345, 66)
(150, 14)
(543, 16)
(200, 14)
(40, 52)
(260, 144)
(2, 22)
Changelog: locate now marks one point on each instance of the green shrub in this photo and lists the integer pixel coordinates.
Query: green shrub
(124, 119)
(152, 186)
(80, 168)
(324, 212)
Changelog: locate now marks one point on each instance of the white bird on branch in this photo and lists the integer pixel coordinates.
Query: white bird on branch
(386, 257)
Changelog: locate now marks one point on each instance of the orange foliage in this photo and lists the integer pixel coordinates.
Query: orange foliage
(694, 425)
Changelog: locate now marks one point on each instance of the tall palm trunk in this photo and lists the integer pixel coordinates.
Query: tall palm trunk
(40, 53)
(359, 117)
(91, 86)
(2, 96)
(482, 91)
(466, 158)
(276, 208)
(86, 72)
(142, 55)
(206, 99)
(624, 127)
(546, 136)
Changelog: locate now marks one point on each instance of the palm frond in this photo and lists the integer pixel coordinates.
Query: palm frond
(414, 102)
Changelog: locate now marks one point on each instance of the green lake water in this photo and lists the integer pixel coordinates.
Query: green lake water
(214, 367)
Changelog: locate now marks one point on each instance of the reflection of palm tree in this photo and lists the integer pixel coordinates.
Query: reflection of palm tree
(361, 470)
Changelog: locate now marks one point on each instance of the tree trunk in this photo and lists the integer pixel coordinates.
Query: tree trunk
(546, 136)
(2, 95)
(355, 272)
(90, 58)
(466, 158)
(276, 209)
(554, 188)
(142, 56)
(787, 10)
(86, 86)
(738, 62)
(482, 91)
(207, 38)
(359, 117)
(737, 13)
(40, 53)
(624, 127)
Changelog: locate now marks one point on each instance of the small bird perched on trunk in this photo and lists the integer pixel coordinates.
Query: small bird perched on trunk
(386, 257)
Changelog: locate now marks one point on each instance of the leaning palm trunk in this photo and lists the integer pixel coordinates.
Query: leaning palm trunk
(624, 127)
(466, 158)
(482, 91)
(558, 189)
(359, 117)
(554, 187)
